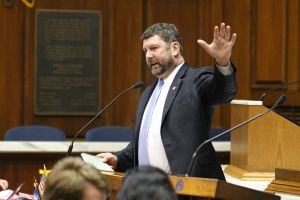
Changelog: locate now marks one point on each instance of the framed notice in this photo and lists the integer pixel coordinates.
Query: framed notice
(67, 62)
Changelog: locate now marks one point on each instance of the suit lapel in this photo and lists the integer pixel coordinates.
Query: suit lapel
(174, 88)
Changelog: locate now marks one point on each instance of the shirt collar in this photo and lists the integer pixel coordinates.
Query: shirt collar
(170, 78)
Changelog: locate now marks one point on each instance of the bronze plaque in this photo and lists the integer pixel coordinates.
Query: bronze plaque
(67, 63)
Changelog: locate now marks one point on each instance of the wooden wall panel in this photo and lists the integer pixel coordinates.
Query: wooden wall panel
(293, 49)
(266, 52)
(278, 61)
(126, 69)
(210, 14)
(239, 19)
(238, 15)
(205, 28)
(121, 27)
(11, 66)
(269, 42)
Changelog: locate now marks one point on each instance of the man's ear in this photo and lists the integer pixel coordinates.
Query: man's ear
(175, 48)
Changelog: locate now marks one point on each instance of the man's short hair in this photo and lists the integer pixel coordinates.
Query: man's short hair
(147, 183)
(167, 32)
(68, 178)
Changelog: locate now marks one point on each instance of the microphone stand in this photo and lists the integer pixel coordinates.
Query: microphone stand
(136, 85)
(279, 102)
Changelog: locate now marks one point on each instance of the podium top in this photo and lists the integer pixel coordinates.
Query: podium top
(201, 187)
(246, 102)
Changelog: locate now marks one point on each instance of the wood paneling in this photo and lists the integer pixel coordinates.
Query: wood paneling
(18, 168)
(293, 53)
(11, 65)
(269, 42)
(266, 52)
(204, 30)
(209, 15)
(239, 20)
(120, 67)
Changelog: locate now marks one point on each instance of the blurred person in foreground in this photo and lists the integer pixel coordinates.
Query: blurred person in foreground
(146, 183)
(73, 179)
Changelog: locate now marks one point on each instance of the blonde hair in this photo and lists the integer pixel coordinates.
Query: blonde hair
(68, 178)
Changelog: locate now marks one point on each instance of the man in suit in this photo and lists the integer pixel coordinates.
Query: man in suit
(174, 114)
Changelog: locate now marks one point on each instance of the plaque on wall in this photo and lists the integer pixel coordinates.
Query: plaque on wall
(67, 62)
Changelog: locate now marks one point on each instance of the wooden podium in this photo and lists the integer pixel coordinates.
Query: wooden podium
(286, 181)
(262, 145)
(200, 187)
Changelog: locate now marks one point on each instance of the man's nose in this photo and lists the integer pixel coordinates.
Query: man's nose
(149, 54)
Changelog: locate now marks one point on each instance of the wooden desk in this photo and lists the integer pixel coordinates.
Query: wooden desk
(21, 161)
(200, 187)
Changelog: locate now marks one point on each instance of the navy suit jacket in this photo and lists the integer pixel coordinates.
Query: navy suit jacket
(186, 120)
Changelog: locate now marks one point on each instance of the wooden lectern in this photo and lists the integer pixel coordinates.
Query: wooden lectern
(286, 181)
(200, 187)
(262, 145)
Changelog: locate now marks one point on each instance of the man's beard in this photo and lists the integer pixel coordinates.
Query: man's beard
(158, 69)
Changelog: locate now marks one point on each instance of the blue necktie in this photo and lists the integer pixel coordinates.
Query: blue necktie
(143, 137)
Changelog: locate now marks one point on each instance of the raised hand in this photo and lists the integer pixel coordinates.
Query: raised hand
(221, 46)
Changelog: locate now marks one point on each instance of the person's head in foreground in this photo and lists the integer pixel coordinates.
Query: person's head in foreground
(73, 179)
(146, 183)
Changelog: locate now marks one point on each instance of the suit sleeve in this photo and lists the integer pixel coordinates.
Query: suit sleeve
(215, 88)
(125, 158)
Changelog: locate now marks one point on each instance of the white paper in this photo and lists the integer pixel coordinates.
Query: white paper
(5, 194)
(96, 162)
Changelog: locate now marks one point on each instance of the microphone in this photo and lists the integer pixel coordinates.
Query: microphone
(262, 97)
(278, 103)
(135, 86)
